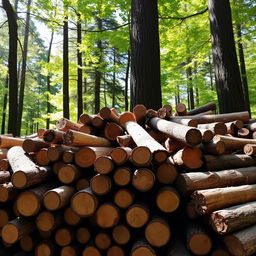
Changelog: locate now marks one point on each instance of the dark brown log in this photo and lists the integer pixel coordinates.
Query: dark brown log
(122, 176)
(91, 250)
(70, 250)
(98, 122)
(71, 218)
(141, 156)
(243, 133)
(57, 198)
(187, 122)
(142, 248)
(242, 243)
(205, 200)
(68, 156)
(121, 234)
(29, 202)
(54, 153)
(207, 135)
(83, 235)
(137, 215)
(86, 156)
(214, 163)
(5, 176)
(115, 250)
(33, 145)
(57, 166)
(220, 252)
(233, 126)
(142, 138)
(48, 221)
(168, 199)
(8, 142)
(189, 182)
(42, 157)
(126, 141)
(7, 192)
(84, 202)
(40, 132)
(101, 184)
(28, 242)
(69, 173)
(6, 215)
(151, 113)
(120, 155)
(102, 240)
(25, 172)
(190, 158)
(53, 136)
(233, 218)
(198, 240)
(123, 198)
(112, 131)
(186, 134)
(251, 126)
(16, 229)
(85, 119)
(157, 232)
(64, 236)
(190, 211)
(45, 248)
(87, 129)
(213, 147)
(203, 108)
(140, 112)
(166, 173)
(158, 136)
(168, 108)
(126, 117)
(109, 115)
(75, 138)
(250, 149)
(107, 215)
(143, 179)
(217, 128)
(163, 113)
(65, 125)
(82, 184)
(181, 109)
(104, 164)
(3, 153)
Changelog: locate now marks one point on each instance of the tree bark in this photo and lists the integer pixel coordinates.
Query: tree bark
(228, 80)
(12, 66)
(126, 80)
(23, 68)
(114, 79)
(145, 55)
(65, 70)
(4, 106)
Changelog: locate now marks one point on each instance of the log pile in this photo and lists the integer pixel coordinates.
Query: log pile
(141, 183)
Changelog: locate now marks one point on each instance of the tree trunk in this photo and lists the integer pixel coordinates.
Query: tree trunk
(4, 106)
(145, 55)
(49, 83)
(12, 65)
(228, 80)
(114, 80)
(65, 70)
(98, 74)
(23, 68)
(79, 68)
(126, 80)
(190, 86)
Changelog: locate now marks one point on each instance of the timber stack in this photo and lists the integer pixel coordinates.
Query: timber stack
(141, 183)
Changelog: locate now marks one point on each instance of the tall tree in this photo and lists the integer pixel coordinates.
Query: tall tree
(12, 67)
(126, 80)
(228, 79)
(65, 70)
(145, 54)
(4, 106)
(114, 79)
(23, 68)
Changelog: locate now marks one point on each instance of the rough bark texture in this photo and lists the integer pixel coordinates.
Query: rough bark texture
(4, 106)
(145, 55)
(228, 80)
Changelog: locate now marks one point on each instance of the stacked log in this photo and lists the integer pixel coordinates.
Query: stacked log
(128, 183)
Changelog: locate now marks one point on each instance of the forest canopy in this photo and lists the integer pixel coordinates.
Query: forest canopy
(83, 47)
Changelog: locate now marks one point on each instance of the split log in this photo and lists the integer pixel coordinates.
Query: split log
(141, 156)
(137, 215)
(33, 145)
(143, 179)
(57, 198)
(109, 115)
(209, 200)
(203, 108)
(64, 125)
(217, 128)
(75, 138)
(213, 147)
(8, 142)
(29, 202)
(121, 234)
(16, 229)
(112, 131)
(120, 155)
(104, 164)
(189, 182)
(3, 152)
(233, 218)
(123, 198)
(102, 240)
(188, 135)
(142, 138)
(84, 202)
(7, 192)
(142, 248)
(101, 184)
(140, 112)
(53, 136)
(69, 173)
(181, 109)
(250, 149)
(168, 199)
(122, 176)
(242, 243)
(64, 236)
(190, 158)
(25, 172)
(71, 218)
(157, 232)
(107, 215)
(86, 156)
(166, 173)
(48, 221)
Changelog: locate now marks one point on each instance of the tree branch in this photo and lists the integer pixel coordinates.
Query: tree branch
(2, 25)
(185, 17)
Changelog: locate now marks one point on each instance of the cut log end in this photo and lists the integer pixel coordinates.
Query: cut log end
(101, 184)
(28, 204)
(45, 221)
(137, 216)
(249, 149)
(121, 234)
(10, 234)
(200, 244)
(19, 179)
(143, 179)
(193, 137)
(234, 245)
(85, 157)
(123, 198)
(141, 156)
(166, 173)
(160, 156)
(107, 215)
(126, 117)
(103, 165)
(91, 251)
(122, 176)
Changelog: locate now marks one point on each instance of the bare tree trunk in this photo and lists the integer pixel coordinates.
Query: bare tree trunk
(16, 3)
(49, 83)
(4, 105)
(126, 81)
(65, 70)
(79, 69)
(210, 72)
(114, 80)
(197, 91)
(190, 85)
(12, 67)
